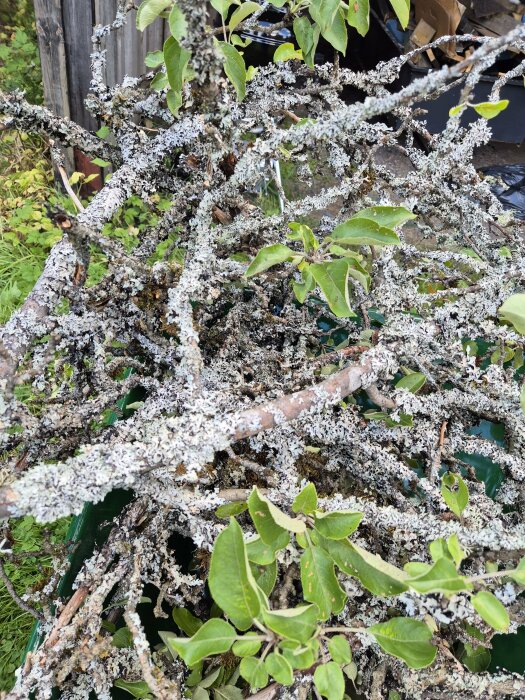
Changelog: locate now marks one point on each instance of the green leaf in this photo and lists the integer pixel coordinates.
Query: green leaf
(240, 14)
(358, 272)
(306, 500)
(230, 580)
(139, 689)
(489, 110)
(177, 23)
(235, 68)
(337, 525)
(307, 36)
(332, 277)
(476, 659)
(297, 624)
(148, 12)
(287, 52)
(319, 582)
(261, 553)
(456, 552)
(329, 681)
(376, 575)
(454, 111)
(216, 636)
(176, 58)
(412, 382)
(122, 639)
(359, 15)
(407, 639)
(265, 576)
(490, 609)
(438, 549)
(323, 12)
(229, 509)
(279, 668)
(402, 10)
(154, 59)
(101, 163)
(268, 257)
(227, 692)
(159, 82)
(300, 656)
(174, 101)
(269, 520)
(200, 694)
(339, 649)
(457, 499)
(303, 233)
(442, 577)
(386, 216)
(518, 574)
(104, 130)
(222, 6)
(187, 622)
(513, 311)
(254, 672)
(302, 289)
(337, 34)
(247, 646)
(364, 232)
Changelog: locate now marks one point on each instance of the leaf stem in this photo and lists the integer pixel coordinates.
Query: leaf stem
(343, 630)
(489, 575)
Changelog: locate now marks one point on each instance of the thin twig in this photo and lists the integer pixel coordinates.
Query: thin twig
(14, 595)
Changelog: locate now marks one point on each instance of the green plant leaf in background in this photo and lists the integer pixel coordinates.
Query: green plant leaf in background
(337, 525)
(303, 233)
(490, 609)
(518, 574)
(302, 289)
(297, 624)
(402, 10)
(456, 498)
(306, 500)
(407, 639)
(332, 277)
(412, 382)
(254, 672)
(279, 668)
(307, 36)
(241, 13)
(148, 12)
(268, 257)
(358, 15)
(269, 520)
(386, 216)
(364, 232)
(375, 574)
(139, 689)
(287, 52)
(216, 636)
(339, 649)
(177, 23)
(230, 580)
(234, 67)
(319, 582)
(489, 110)
(513, 311)
(187, 622)
(229, 509)
(329, 681)
(441, 577)
(153, 60)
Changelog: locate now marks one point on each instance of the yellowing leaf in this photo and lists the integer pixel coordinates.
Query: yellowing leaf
(489, 110)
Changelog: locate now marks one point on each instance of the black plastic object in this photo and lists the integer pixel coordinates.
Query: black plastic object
(510, 190)
(385, 41)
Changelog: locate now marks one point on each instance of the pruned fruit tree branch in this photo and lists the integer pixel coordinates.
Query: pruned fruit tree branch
(347, 337)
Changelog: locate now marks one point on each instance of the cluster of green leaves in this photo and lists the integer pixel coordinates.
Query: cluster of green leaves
(488, 110)
(26, 231)
(30, 573)
(19, 56)
(275, 643)
(311, 19)
(331, 264)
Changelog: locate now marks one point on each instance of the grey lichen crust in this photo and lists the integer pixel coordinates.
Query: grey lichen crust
(230, 367)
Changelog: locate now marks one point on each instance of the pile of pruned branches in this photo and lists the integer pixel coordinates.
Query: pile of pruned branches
(246, 385)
